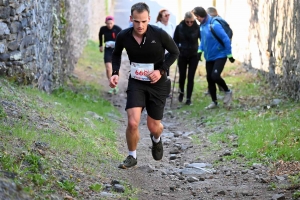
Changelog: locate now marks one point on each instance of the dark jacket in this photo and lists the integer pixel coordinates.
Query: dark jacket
(187, 38)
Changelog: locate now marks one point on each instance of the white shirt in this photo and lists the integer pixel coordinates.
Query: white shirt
(168, 28)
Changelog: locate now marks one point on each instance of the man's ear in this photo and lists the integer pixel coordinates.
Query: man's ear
(149, 19)
(130, 18)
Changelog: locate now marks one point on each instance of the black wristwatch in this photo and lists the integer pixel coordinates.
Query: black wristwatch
(162, 72)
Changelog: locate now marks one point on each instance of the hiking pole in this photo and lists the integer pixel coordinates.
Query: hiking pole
(173, 86)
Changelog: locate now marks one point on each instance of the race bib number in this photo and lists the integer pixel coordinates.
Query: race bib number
(140, 71)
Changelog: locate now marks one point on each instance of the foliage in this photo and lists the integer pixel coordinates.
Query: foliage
(265, 131)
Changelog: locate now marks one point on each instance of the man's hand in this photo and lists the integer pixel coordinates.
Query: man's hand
(101, 49)
(154, 76)
(231, 59)
(113, 82)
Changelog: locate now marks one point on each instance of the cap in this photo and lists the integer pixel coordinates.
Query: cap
(109, 18)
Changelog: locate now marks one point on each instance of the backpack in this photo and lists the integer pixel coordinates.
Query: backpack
(225, 26)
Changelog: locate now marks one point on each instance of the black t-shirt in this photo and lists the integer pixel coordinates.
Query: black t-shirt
(151, 50)
(109, 34)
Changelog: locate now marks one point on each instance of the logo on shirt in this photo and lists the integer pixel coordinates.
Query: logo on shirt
(153, 41)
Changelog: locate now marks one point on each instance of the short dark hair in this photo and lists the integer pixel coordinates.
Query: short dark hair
(140, 7)
(199, 11)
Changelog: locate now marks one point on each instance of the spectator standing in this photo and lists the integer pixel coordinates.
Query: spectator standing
(215, 55)
(212, 11)
(163, 21)
(186, 37)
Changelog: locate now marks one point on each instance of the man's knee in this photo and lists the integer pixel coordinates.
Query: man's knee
(133, 125)
(155, 127)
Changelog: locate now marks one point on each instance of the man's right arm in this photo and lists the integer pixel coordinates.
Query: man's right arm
(100, 37)
(117, 54)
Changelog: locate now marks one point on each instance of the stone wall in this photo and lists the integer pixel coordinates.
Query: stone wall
(266, 36)
(41, 40)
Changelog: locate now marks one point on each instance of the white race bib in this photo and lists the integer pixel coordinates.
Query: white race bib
(140, 71)
(110, 44)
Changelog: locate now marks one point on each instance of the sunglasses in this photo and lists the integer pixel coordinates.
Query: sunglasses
(189, 22)
(167, 15)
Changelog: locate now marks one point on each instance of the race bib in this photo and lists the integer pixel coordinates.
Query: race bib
(140, 71)
(110, 44)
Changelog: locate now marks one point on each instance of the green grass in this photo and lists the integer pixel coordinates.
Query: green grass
(74, 123)
(265, 133)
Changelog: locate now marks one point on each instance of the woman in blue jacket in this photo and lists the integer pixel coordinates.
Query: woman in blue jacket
(215, 55)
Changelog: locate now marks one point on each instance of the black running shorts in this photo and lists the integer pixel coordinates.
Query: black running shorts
(149, 96)
(108, 54)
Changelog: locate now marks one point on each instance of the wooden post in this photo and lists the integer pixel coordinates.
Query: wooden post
(179, 18)
(214, 2)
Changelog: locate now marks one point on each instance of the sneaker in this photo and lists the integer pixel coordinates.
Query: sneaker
(130, 161)
(180, 97)
(111, 91)
(212, 105)
(157, 149)
(188, 102)
(228, 97)
(116, 90)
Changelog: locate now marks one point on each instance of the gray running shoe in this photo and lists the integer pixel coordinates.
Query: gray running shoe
(157, 149)
(130, 161)
(227, 98)
(212, 105)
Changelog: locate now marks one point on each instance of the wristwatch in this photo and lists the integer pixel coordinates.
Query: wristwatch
(162, 72)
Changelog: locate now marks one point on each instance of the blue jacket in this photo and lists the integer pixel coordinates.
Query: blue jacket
(209, 44)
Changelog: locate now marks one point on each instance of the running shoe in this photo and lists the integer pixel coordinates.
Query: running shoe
(130, 161)
(116, 90)
(228, 97)
(212, 105)
(157, 149)
(111, 91)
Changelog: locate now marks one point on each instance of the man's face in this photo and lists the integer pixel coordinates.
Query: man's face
(200, 19)
(140, 21)
(109, 24)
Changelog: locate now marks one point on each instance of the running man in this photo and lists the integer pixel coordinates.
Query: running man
(148, 85)
(110, 32)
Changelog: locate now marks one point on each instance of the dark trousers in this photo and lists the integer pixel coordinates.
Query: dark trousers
(213, 76)
(187, 67)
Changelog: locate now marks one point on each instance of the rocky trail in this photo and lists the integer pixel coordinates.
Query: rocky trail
(193, 167)
(189, 169)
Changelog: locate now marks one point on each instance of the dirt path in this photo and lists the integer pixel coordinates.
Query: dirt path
(186, 170)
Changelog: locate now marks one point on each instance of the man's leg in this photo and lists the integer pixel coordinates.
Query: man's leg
(108, 67)
(132, 131)
(156, 129)
(132, 136)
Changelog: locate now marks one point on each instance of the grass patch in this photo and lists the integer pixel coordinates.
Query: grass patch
(265, 132)
(46, 140)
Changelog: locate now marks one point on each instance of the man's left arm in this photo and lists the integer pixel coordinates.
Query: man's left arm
(169, 44)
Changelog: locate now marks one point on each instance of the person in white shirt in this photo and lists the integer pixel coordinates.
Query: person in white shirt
(162, 21)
